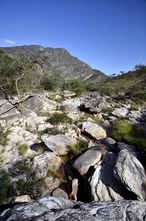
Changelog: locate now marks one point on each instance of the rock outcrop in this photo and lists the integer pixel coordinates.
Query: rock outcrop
(87, 160)
(106, 171)
(59, 209)
(56, 60)
(59, 143)
(129, 171)
(94, 103)
(104, 186)
(92, 130)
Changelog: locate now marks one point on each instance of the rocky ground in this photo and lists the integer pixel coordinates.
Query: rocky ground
(106, 171)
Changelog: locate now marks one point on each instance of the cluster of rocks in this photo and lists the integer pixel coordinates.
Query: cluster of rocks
(106, 171)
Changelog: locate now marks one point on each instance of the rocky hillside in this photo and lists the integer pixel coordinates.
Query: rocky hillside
(54, 60)
(70, 150)
(87, 150)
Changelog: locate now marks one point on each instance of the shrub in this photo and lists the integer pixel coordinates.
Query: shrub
(26, 179)
(52, 82)
(107, 110)
(53, 131)
(23, 149)
(123, 131)
(57, 118)
(40, 149)
(4, 137)
(7, 190)
(80, 146)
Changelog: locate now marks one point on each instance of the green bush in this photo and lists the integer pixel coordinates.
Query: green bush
(52, 82)
(53, 131)
(7, 190)
(107, 110)
(75, 86)
(57, 118)
(27, 181)
(125, 132)
(23, 149)
(4, 137)
(77, 148)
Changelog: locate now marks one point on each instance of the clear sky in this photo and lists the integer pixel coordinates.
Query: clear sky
(108, 35)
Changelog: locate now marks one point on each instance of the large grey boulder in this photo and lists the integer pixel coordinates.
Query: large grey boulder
(138, 118)
(58, 192)
(59, 143)
(88, 159)
(131, 149)
(104, 186)
(94, 104)
(7, 110)
(130, 172)
(120, 112)
(44, 162)
(92, 130)
(33, 103)
(61, 209)
(134, 116)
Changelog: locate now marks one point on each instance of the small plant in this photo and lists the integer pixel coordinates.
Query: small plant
(56, 175)
(52, 130)
(60, 108)
(57, 118)
(23, 149)
(2, 150)
(77, 148)
(107, 110)
(4, 137)
(40, 150)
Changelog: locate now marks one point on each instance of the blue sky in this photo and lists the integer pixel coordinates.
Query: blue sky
(109, 35)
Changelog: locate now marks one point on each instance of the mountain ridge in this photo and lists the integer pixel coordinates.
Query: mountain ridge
(55, 60)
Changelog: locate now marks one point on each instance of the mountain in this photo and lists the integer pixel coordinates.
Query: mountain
(54, 60)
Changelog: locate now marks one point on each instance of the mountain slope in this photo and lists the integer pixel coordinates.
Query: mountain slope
(56, 60)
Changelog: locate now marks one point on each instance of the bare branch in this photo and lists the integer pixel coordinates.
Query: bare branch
(16, 85)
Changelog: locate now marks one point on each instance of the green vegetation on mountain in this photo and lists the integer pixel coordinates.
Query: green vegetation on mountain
(34, 69)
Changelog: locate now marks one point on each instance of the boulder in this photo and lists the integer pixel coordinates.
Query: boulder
(130, 172)
(7, 110)
(58, 192)
(44, 162)
(51, 183)
(131, 149)
(134, 116)
(24, 198)
(33, 103)
(35, 123)
(94, 104)
(120, 112)
(92, 130)
(8, 156)
(104, 186)
(138, 118)
(87, 160)
(59, 143)
(61, 209)
(20, 135)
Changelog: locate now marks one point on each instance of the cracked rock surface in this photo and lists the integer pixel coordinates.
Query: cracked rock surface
(60, 209)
